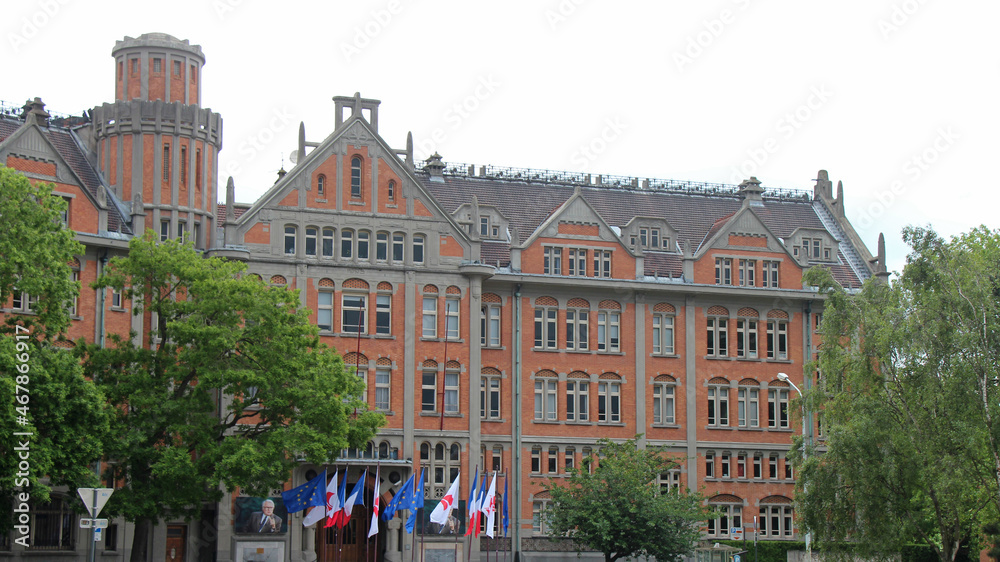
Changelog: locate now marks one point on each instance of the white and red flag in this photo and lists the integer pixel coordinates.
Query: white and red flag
(319, 512)
(373, 526)
(442, 512)
(490, 506)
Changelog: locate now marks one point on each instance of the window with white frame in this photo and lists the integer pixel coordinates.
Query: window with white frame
(352, 318)
(392, 190)
(728, 514)
(577, 262)
(608, 331)
(428, 389)
(383, 377)
(321, 185)
(398, 244)
(710, 464)
(776, 521)
(364, 239)
(577, 399)
(788, 469)
(324, 311)
(327, 243)
(546, 389)
(383, 314)
(724, 465)
(290, 233)
(442, 463)
(741, 465)
(663, 400)
(772, 466)
(609, 402)
(746, 272)
(489, 395)
(490, 325)
(346, 243)
(539, 519)
(746, 338)
(74, 302)
(748, 406)
(451, 318)
(116, 300)
(418, 248)
(356, 176)
(311, 238)
(669, 481)
(382, 246)
(777, 408)
(545, 327)
(777, 339)
(718, 345)
(723, 271)
(718, 404)
(577, 332)
(451, 390)
(552, 460)
(164, 230)
(429, 317)
(602, 263)
(663, 333)
(552, 260)
(769, 271)
(536, 460)
(758, 465)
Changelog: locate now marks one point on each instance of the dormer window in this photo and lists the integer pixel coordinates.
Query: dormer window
(648, 237)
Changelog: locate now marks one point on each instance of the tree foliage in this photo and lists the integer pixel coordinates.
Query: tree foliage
(614, 505)
(909, 399)
(230, 388)
(43, 392)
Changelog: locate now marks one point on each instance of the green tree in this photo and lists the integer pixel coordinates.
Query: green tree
(42, 389)
(230, 388)
(909, 400)
(615, 507)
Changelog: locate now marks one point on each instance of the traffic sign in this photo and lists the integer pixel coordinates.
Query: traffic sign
(86, 523)
(94, 499)
(97, 537)
(736, 558)
(736, 533)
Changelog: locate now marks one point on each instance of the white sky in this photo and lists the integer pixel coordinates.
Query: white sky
(896, 98)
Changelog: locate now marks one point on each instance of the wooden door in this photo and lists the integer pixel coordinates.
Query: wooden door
(176, 541)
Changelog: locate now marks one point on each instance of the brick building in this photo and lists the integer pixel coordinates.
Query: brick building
(502, 318)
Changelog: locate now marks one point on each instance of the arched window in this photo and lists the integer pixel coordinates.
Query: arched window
(729, 513)
(718, 402)
(356, 176)
(663, 400)
(392, 190)
(321, 185)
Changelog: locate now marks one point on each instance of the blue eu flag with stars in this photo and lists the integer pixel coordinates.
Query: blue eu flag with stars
(398, 501)
(309, 494)
(416, 502)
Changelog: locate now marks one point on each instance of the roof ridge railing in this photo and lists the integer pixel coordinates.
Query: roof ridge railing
(609, 181)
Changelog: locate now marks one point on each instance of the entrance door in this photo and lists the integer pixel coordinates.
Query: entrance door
(176, 539)
(352, 540)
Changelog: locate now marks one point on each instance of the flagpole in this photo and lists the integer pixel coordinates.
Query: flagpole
(468, 509)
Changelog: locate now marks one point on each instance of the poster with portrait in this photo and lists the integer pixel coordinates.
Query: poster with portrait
(455, 525)
(261, 516)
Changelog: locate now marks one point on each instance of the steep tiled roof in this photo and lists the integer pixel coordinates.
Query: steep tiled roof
(660, 264)
(238, 210)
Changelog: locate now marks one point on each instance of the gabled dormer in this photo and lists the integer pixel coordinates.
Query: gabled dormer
(813, 245)
(483, 221)
(576, 241)
(650, 234)
(741, 250)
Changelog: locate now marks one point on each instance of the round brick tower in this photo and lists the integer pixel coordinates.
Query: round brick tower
(157, 147)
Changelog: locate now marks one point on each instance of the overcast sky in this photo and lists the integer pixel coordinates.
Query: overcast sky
(896, 98)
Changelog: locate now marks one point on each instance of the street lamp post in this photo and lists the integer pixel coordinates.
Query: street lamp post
(805, 450)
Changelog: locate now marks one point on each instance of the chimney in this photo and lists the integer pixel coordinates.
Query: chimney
(34, 112)
(435, 167)
(752, 192)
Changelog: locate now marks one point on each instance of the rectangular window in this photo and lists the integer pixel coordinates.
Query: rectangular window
(757, 466)
(135, 65)
(724, 466)
(166, 162)
(747, 268)
(290, 233)
(777, 339)
(788, 470)
(748, 406)
(741, 465)
(327, 242)
(311, 232)
(353, 314)
(777, 408)
(346, 243)
(489, 398)
(75, 278)
(577, 400)
(723, 271)
(383, 314)
(709, 465)
(536, 461)
(654, 238)
(429, 317)
(324, 311)
(772, 467)
(552, 261)
(381, 246)
(451, 393)
(609, 402)
(545, 399)
(602, 263)
(484, 226)
(718, 406)
(770, 274)
(397, 247)
(746, 338)
(545, 328)
(428, 392)
(717, 336)
(553, 460)
(164, 230)
(576, 329)
(418, 248)
(177, 68)
(116, 300)
(578, 262)
(183, 165)
(608, 329)
(363, 238)
(382, 377)
(663, 404)
(663, 334)
(451, 318)
(490, 326)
